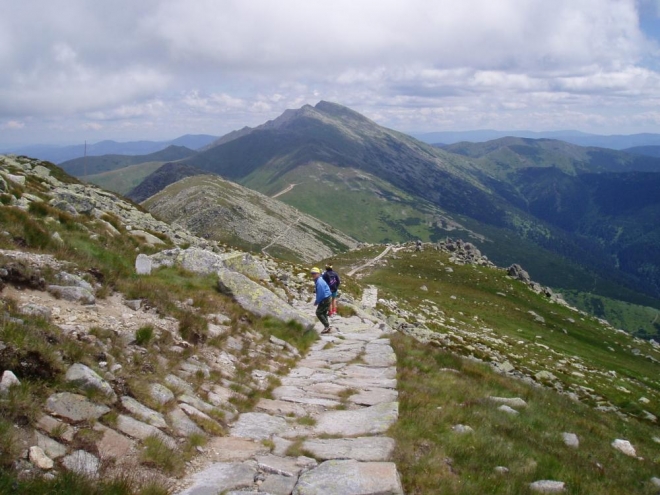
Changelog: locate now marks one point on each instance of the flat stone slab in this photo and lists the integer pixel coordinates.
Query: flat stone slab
(182, 425)
(360, 449)
(138, 429)
(112, 444)
(74, 407)
(51, 425)
(276, 484)
(233, 449)
(286, 466)
(220, 477)
(379, 355)
(374, 396)
(258, 426)
(350, 478)
(282, 408)
(367, 421)
(143, 412)
(360, 371)
(312, 401)
(367, 383)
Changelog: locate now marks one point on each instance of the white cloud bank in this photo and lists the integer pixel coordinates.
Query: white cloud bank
(169, 67)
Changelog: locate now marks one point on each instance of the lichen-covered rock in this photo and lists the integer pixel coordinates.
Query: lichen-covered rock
(257, 299)
(248, 266)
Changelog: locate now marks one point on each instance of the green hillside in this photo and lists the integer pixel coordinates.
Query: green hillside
(598, 383)
(503, 156)
(125, 179)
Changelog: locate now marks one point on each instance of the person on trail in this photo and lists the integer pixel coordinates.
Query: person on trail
(332, 279)
(323, 298)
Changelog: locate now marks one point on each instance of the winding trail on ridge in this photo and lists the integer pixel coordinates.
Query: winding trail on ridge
(370, 262)
(263, 249)
(284, 191)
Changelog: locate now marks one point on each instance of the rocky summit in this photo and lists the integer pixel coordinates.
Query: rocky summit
(136, 354)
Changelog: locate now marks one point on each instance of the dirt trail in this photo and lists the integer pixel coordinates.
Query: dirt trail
(284, 191)
(370, 262)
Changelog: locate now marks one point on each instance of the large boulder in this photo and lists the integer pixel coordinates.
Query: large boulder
(193, 259)
(257, 299)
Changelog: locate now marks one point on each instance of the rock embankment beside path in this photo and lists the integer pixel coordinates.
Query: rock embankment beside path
(324, 431)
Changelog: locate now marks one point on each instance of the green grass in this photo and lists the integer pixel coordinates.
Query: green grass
(68, 483)
(157, 453)
(485, 307)
(642, 321)
(432, 458)
(292, 332)
(143, 335)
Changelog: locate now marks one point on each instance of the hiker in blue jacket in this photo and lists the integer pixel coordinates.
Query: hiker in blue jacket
(323, 298)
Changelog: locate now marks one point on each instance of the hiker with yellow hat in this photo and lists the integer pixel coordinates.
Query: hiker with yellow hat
(323, 298)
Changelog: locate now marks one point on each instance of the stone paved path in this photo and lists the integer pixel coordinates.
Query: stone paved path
(334, 408)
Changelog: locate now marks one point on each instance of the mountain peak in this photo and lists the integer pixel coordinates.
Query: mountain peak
(337, 110)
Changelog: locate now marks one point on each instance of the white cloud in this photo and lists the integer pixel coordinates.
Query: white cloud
(416, 65)
(12, 124)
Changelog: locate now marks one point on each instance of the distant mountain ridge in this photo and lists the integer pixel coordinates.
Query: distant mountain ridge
(615, 141)
(98, 164)
(59, 154)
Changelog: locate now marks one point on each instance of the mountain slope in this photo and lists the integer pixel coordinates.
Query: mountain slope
(161, 178)
(335, 135)
(217, 209)
(355, 175)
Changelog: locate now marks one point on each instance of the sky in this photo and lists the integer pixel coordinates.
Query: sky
(80, 70)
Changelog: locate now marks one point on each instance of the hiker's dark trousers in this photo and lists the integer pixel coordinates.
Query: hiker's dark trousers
(322, 311)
